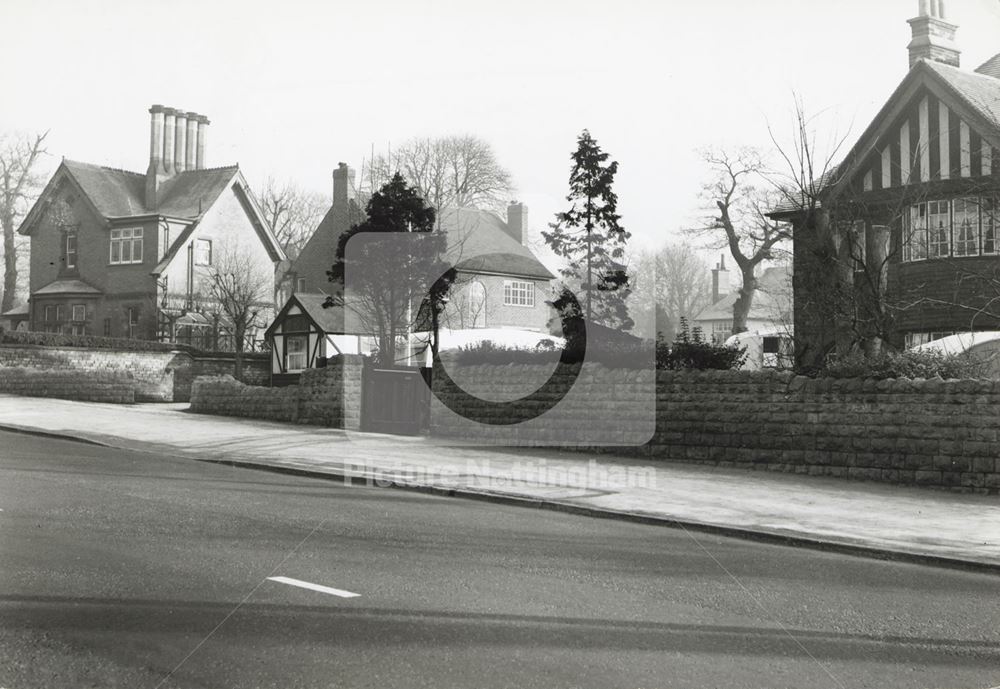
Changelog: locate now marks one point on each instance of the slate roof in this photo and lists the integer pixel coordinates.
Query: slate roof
(66, 286)
(120, 193)
(991, 67)
(980, 91)
(478, 241)
(329, 320)
(22, 310)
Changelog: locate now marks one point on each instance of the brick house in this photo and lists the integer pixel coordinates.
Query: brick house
(501, 283)
(770, 310)
(126, 254)
(908, 220)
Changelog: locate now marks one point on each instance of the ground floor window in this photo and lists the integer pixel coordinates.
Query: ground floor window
(518, 293)
(295, 352)
(917, 339)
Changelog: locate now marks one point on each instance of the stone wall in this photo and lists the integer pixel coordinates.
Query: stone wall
(604, 407)
(88, 386)
(922, 432)
(329, 396)
(156, 376)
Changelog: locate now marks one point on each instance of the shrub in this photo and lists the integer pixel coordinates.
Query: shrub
(613, 355)
(690, 350)
(906, 364)
(89, 342)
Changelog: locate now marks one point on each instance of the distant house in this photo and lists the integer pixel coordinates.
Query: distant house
(920, 187)
(770, 311)
(127, 254)
(501, 284)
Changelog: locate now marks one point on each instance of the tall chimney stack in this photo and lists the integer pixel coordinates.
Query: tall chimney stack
(343, 185)
(180, 142)
(169, 130)
(156, 172)
(720, 280)
(191, 154)
(202, 140)
(933, 35)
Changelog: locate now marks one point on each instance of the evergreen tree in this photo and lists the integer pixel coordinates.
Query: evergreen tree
(590, 236)
(392, 283)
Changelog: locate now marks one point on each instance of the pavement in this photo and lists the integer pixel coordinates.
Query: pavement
(869, 519)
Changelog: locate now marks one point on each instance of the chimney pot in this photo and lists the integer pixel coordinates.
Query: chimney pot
(180, 142)
(191, 154)
(933, 36)
(169, 130)
(202, 141)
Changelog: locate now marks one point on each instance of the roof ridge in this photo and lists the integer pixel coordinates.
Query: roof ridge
(235, 166)
(104, 167)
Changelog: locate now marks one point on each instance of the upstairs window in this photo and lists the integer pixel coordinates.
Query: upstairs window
(71, 249)
(518, 293)
(938, 228)
(203, 252)
(965, 232)
(79, 312)
(915, 233)
(126, 246)
(990, 219)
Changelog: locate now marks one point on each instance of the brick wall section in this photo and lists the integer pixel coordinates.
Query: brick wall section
(88, 386)
(329, 396)
(922, 432)
(156, 376)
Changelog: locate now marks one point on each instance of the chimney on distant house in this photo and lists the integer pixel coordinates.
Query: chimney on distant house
(933, 35)
(176, 144)
(720, 280)
(343, 185)
(517, 221)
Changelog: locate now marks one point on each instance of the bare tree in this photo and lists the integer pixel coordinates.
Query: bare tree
(20, 183)
(449, 171)
(671, 283)
(291, 213)
(239, 286)
(742, 197)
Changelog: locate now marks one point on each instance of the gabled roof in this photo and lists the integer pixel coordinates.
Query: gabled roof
(66, 286)
(311, 304)
(991, 67)
(974, 95)
(774, 294)
(212, 186)
(478, 242)
(979, 91)
(116, 194)
(192, 192)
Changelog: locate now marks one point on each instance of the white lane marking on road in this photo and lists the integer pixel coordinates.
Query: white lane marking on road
(314, 587)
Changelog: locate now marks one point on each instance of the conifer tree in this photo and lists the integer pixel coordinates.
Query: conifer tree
(590, 236)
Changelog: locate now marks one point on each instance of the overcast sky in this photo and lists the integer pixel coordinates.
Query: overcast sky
(293, 87)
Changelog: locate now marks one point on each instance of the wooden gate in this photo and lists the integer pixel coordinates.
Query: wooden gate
(396, 400)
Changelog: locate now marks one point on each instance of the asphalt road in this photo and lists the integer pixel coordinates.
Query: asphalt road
(135, 570)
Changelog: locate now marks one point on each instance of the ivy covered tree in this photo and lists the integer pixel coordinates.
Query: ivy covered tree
(590, 236)
(385, 282)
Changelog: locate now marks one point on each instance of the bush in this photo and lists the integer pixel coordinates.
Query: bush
(613, 355)
(690, 350)
(90, 342)
(906, 364)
